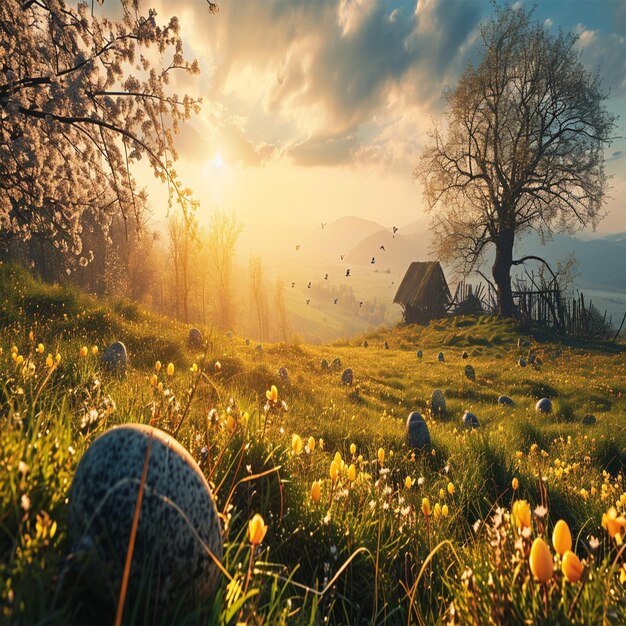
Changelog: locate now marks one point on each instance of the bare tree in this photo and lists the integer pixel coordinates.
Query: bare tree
(220, 241)
(523, 149)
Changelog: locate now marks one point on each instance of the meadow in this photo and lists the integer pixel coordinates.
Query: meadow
(360, 527)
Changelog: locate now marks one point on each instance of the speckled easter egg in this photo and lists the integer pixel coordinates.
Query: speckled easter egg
(505, 400)
(116, 357)
(420, 354)
(346, 377)
(521, 362)
(470, 373)
(324, 365)
(470, 420)
(417, 433)
(283, 375)
(195, 337)
(336, 364)
(440, 357)
(544, 405)
(178, 522)
(437, 402)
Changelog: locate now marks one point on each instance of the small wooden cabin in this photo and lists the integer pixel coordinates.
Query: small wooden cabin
(423, 293)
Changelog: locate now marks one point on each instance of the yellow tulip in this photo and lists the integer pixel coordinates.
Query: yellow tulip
(316, 492)
(444, 510)
(272, 394)
(426, 507)
(352, 448)
(157, 366)
(561, 537)
(521, 514)
(31, 336)
(437, 510)
(296, 444)
(337, 458)
(170, 369)
(515, 484)
(94, 350)
(153, 380)
(231, 422)
(40, 348)
(451, 489)
(194, 368)
(408, 482)
(614, 524)
(256, 530)
(83, 352)
(334, 471)
(19, 360)
(442, 494)
(571, 567)
(57, 358)
(352, 473)
(541, 564)
(311, 444)
(381, 455)
(49, 361)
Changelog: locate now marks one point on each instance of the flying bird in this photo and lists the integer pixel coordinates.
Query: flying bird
(323, 225)
(293, 285)
(325, 276)
(297, 247)
(347, 272)
(373, 260)
(342, 255)
(382, 248)
(335, 299)
(395, 230)
(361, 303)
(309, 285)
(308, 300)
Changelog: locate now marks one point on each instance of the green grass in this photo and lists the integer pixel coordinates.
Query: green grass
(371, 555)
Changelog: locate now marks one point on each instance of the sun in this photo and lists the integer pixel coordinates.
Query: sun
(218, 161)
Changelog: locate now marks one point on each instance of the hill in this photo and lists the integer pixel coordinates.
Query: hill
(371, 530)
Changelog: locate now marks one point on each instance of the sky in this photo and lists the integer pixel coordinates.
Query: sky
(316, 110)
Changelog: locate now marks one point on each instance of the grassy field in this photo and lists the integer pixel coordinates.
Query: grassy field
(400, 537)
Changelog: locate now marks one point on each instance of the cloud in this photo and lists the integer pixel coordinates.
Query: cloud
(329, 150)
(616, 154)
(605, 53)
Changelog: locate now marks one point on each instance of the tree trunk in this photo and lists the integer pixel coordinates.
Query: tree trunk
(501, 272)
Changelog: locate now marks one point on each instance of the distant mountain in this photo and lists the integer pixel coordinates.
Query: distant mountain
(399, 250)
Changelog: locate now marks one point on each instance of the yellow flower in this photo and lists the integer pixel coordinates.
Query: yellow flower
(614, 524)
(381, 455)
(334, 471)
(521, 514)
(160, 386)
(256, 530)
(231, 422)
(515, 484)
(296, 444)
(561, 537)
(311, 444)
(40, 348)
(49, 361)
(622, 574)
(153, 380)
(451, 489)
(442, 494)
(19, 359)
(571, 567)
(437, 510)
(170, 369)
(352, 473)
(14, 349)
(57, 358)
(426, 507)
(316, 492)
(408, 482)
(337, 458)
(94, 350)
(353, 449)
(83, 352)
(541, 564)
(272, 394)
(157, 366)
(444, 510)
(31, 336)
(194, 368)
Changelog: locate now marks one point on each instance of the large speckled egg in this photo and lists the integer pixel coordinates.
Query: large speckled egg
(178, 520)
(544, 405)
(417, 432)
(469, 420)
(470, 373)
(194, 338)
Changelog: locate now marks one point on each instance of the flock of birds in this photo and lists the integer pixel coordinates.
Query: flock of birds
(394, 230)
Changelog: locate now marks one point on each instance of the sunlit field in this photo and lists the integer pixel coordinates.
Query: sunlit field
(359, 527)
